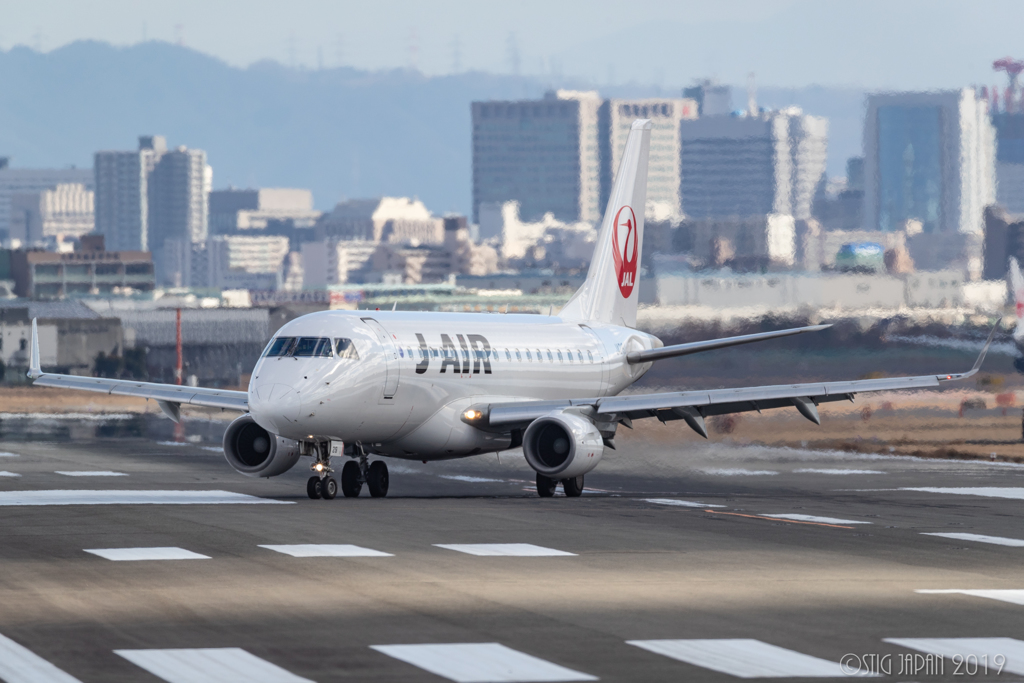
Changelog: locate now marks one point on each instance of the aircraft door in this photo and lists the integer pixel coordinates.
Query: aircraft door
(600, 355)
(391, 366)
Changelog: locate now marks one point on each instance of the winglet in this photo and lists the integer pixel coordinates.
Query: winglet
(981, 357)
(33, 368)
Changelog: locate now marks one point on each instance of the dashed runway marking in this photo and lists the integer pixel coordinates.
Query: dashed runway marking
(1016, 493)
(812, 518)
(9, 474)
(480, 663)
(742, 657)
(1010, 648)
(209, 665)
(8, 454)
(91, 473)
(320, 550)
(135, 554)
(115, 497)
(1012, 595)
(737, 472)
(471, 480)
(680, 503)
(815, 470)
(20, 665)
(504, 549)
(981, 538)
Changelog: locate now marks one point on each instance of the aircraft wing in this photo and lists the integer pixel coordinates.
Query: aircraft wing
(168, 396)
(694, 406)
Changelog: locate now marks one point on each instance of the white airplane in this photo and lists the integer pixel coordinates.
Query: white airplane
(434, 386)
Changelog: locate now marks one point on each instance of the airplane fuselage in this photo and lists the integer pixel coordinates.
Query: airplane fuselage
(398, 381)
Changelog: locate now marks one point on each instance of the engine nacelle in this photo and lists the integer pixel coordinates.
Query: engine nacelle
(255, 452)
(562, 445)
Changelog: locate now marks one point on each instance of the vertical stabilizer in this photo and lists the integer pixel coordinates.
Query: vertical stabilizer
(612, 289)
(1016, 282)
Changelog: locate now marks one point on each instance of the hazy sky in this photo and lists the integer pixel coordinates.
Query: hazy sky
(873, 43)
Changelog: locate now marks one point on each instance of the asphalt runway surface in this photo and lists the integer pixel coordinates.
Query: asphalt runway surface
(675, 565)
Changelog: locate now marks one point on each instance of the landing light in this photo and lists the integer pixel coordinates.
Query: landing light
(472, 414)
(319, 467)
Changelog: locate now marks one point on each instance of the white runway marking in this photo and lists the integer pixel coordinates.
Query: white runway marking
(504, 549)
(814, 470)
(134, 554)
(88, 473)
(471, 480)
(737, 472)
(1012, 595)
(315, 550)
(480, 663)
(812, 518)
(20, 665)
(209, 665)
(1010, 648)
(212, 449)
(173, 443)
(742, 657)
(9, 474)
(680, 503)
(995, 540)
(74, 497)
(1015, 493)
(7, 454)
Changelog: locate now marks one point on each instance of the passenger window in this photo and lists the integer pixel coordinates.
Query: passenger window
(529, 356)
(508, 355)
(568, 354)
(518, 356)
(591, 356)
(550, 357)
(579, 354)
(280, 346)
(346, 349)
(559, 355)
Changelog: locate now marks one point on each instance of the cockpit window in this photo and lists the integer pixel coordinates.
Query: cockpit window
(300, 347)
(346, 349)
(305, 347)
(280, 346)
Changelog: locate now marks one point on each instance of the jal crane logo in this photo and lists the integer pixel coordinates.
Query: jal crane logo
(625, 249)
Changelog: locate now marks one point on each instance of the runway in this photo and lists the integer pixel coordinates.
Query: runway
(707, 562)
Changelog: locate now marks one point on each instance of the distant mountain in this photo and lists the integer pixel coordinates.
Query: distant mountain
(341, 132)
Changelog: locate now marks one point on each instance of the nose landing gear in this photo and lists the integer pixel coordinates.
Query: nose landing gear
(322, 484)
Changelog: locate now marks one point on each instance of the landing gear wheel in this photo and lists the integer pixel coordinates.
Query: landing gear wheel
(350, 483)
(328, 488)
(545, 486)
(377, 479)
(313, 487)
(573, 488)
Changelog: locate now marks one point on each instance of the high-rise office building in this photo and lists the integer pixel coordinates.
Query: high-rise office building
(178, 190)
(29, 180)
(542, 153)
(1009, 160)
(122, 194)
(743, 166)
(615, 118)
(51, 215)
(929, 157)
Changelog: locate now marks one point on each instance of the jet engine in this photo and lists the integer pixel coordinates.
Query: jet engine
(255, 452)
(562, 445)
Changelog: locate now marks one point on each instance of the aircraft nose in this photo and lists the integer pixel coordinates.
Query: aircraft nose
(274, 403)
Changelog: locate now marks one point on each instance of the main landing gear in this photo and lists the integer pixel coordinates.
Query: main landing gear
(353, 475)
(573, 488)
